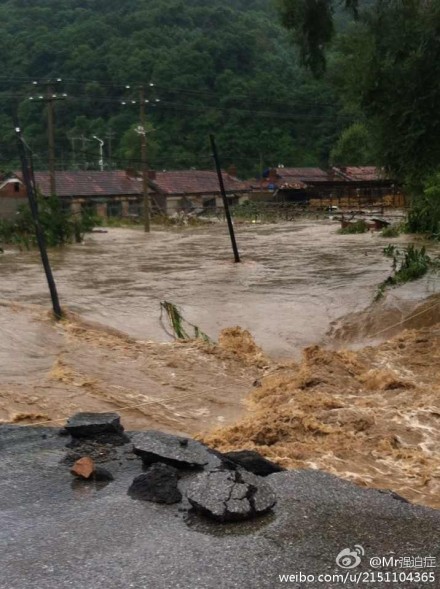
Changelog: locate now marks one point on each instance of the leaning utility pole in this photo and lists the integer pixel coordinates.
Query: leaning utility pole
(28, 180)
(225, 199)
(49, 97)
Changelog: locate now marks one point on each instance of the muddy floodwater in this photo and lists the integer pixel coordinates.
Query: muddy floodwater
(368, 414)
(295, 280)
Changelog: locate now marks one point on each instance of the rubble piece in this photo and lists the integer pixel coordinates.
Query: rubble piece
(227, 496)
(183, 453)
(253, 462)
(89, 425)
(158, 484)
(83, 468)
(102, 474)
(86, 469)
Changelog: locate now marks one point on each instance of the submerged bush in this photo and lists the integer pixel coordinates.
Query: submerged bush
(59, 226)
(391, 231)
(358, 227)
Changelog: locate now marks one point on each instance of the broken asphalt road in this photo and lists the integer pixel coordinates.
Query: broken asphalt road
(56, 534)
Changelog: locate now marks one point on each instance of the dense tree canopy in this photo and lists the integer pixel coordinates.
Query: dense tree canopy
(223, 66)
(312, 22)
(387, 68)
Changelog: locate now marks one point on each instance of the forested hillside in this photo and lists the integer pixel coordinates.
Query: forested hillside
(223, 66)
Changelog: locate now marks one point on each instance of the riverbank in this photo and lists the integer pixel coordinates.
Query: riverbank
(62, 368)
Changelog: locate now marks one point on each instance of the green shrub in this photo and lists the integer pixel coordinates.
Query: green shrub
(408, 265)
(389, 251)
(59, 227)
(424, 216)
(391, 231)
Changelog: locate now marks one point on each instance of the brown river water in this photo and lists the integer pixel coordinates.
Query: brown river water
(294, 280)
(368, 415)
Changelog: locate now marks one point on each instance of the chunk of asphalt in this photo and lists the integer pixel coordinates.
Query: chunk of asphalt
(158, 484)
(86, 425)
(253, 462)
(102, 474)
(183, 453)
(227, 496)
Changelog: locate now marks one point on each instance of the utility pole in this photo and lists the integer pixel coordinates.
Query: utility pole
(142, 130)
(84, 141)
(225, 199)
(145, 187)
(49, 98)
(72, 142)
(30, 189)
(110, 135)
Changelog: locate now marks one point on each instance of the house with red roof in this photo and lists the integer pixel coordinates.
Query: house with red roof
(113, 193)
(188, 189)
(119, 193)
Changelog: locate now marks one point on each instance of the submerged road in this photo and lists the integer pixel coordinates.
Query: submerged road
(58, 535)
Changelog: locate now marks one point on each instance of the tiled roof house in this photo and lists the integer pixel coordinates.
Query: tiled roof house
(90, 184)
(200, 188)
(118, 192)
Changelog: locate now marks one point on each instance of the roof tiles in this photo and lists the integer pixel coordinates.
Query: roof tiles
(90, 183)
(195, 182)
(361, 173)
(118, 183)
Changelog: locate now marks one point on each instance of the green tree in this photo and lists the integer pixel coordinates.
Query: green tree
(313, 28)
(224, 66)
(354, 147)
(392, 76)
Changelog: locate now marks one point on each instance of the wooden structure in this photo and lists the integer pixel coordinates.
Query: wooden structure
(352, 187)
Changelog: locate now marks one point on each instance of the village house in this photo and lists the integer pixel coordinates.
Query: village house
(119, 193)
(12, 195)
(188, 189)
(112, 193)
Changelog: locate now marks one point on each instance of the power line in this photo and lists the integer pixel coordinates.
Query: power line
(49, 97)
(120, 85)
(207, 108)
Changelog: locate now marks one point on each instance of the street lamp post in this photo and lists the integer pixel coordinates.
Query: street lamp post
(101, 152)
